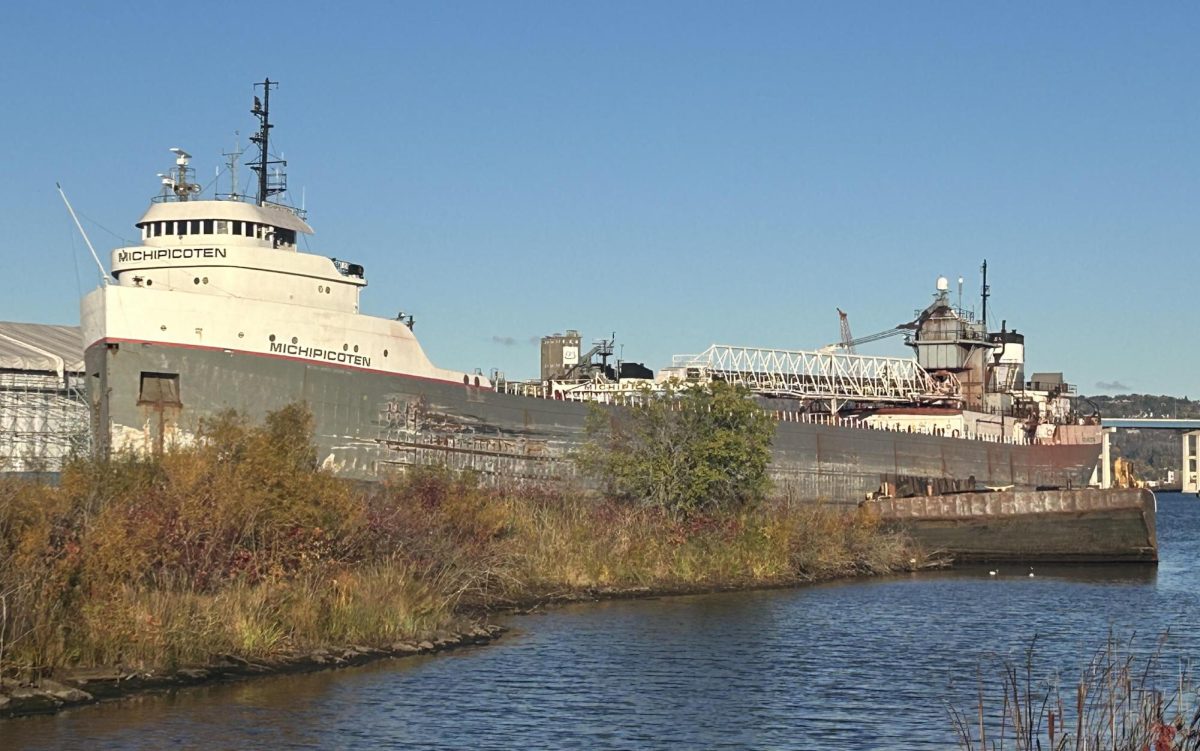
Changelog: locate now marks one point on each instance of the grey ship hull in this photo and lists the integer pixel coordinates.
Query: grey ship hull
(368, 424)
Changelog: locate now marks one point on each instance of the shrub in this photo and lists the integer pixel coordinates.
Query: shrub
(685, 449)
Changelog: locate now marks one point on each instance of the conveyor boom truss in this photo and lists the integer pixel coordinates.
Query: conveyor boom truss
(823, 375)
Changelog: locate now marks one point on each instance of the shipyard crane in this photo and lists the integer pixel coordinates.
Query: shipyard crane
(847, 337)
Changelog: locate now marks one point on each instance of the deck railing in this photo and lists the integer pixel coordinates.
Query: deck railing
(541, 391)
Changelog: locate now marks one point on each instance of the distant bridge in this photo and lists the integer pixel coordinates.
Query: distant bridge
(1190, 482)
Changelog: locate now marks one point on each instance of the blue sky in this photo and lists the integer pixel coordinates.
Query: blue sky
(679, 173)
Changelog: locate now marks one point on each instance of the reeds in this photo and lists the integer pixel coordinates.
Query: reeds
(1122, 701)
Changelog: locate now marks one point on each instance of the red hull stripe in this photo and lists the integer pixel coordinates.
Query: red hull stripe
(113, 340)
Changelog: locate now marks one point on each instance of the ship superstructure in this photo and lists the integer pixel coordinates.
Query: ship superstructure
(218, 307)
(225, 276)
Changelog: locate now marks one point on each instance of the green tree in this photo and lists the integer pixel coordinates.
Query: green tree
(683, 449)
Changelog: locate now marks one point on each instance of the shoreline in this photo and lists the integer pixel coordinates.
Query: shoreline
(86, 686)
(239, 556)
(89, 686)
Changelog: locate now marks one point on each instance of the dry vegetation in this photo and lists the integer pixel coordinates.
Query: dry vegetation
(242, 546)
(1121, 701)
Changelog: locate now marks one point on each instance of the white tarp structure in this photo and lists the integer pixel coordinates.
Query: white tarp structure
(44, 417)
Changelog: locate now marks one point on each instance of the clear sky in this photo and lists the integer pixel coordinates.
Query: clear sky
(679, 173)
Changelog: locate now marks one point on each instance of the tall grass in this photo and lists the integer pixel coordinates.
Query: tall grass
(242, 545)
(1121, 701)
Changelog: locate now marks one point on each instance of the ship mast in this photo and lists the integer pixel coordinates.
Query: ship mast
(262, 110)
(985, 293)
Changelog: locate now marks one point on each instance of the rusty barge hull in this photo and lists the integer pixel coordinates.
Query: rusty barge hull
(1075, 526)
(369, 424)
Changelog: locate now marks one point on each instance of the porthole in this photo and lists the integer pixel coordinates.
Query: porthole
(345, 347)
(328, 290)
(355, 347)
(271, 338)
(466, 381)
(385, 353)
(320, 288)
(206, 280)
(294, 340)
(241, 334)
(196, 280)
(476, 380)
(149, 282)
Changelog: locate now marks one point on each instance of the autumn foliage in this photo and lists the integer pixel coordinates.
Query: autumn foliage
(242, 544)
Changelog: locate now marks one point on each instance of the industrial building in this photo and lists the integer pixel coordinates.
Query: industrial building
(44, 416)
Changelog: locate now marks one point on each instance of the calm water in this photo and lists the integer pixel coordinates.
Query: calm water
(864, 665)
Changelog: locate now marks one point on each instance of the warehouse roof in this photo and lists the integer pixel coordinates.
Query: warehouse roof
(38, 346)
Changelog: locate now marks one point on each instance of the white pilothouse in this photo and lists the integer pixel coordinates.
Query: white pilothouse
(226, 275)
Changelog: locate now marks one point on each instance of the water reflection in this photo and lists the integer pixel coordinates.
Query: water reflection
(870, 664)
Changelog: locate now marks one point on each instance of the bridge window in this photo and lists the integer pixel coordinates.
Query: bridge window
(159, 389)
(222, 227)
(208, 226)
(194, 227)
(237, 228)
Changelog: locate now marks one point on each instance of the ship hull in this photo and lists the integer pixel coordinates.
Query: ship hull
(1059, 526)
(370, 424)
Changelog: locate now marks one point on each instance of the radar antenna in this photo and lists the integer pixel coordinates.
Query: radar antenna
(181, 184)
(268, 184)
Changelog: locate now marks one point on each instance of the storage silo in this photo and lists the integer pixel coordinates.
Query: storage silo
(560, 353)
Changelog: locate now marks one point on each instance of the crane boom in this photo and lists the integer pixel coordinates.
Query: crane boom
(886, 333)
(847, 337)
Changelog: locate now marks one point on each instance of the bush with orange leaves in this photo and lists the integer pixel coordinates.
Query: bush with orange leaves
(241, 544)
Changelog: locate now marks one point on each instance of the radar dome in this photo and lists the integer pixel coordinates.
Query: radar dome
(943, 284)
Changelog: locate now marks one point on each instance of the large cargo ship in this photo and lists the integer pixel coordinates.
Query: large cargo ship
(218, 308)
